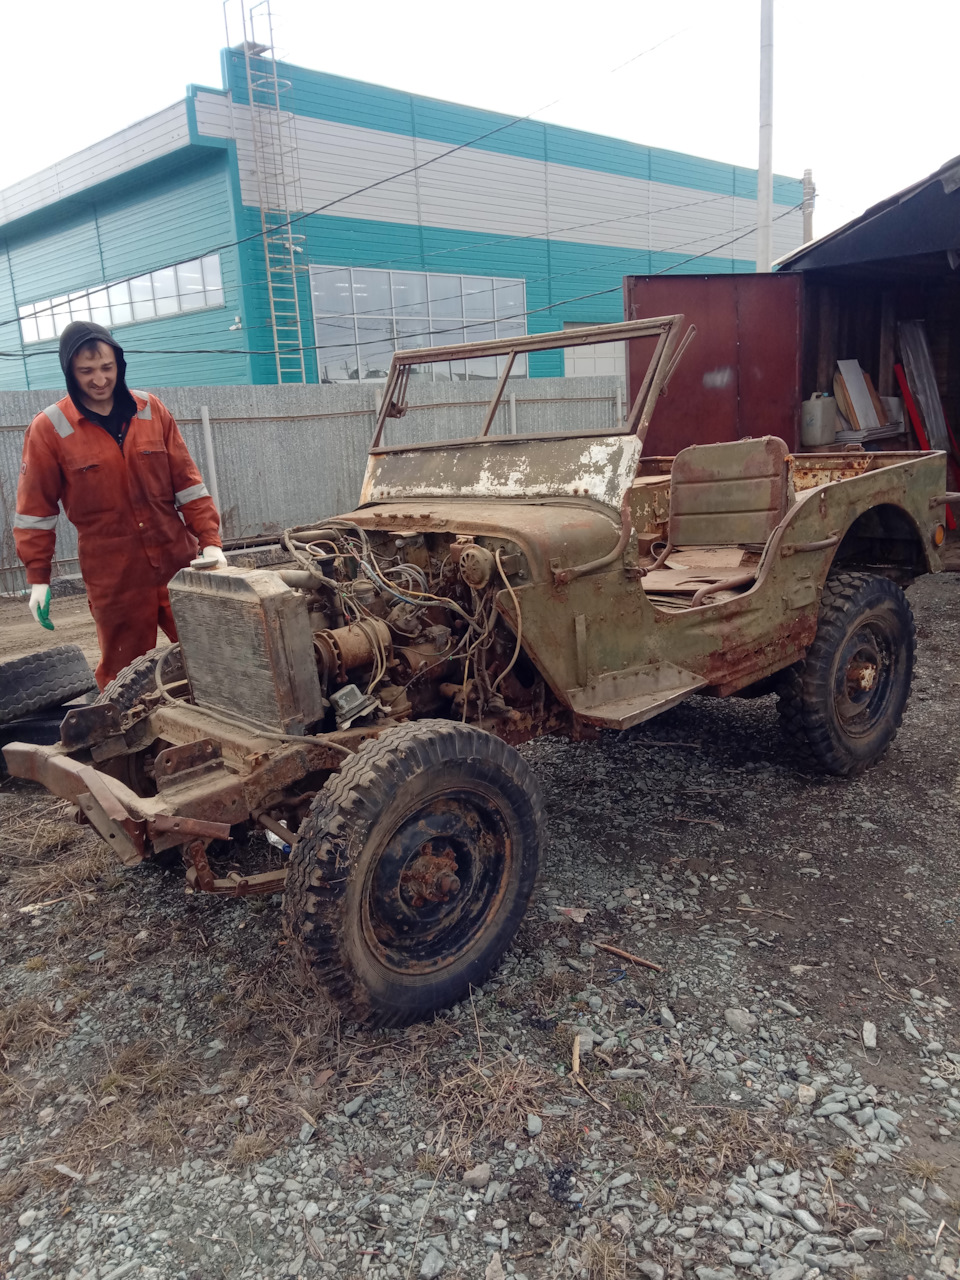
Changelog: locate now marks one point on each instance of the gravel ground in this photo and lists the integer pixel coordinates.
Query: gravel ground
(779, 1101)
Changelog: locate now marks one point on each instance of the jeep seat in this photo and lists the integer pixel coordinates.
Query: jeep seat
(723, 498)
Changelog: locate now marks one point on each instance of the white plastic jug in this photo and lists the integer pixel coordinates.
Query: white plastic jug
(818, 424)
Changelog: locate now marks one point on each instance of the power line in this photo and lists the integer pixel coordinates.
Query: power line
(597, 293)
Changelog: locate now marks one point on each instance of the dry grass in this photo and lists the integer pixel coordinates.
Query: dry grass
(844, 1160)
(684, 1148)
(250, 1148)
(921, 1170)
(29, 1024)
(12, 1187)
(491, 1098)
(30, 833)
(604, 1258)
(44, 881)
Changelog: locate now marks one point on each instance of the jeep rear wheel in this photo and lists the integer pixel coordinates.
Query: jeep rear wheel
(845, 700)
(413, 870)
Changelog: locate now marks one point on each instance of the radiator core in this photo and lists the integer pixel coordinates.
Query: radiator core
(247, 647)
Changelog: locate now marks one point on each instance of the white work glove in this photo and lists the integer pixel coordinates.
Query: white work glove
(40, 604)
(214, 553)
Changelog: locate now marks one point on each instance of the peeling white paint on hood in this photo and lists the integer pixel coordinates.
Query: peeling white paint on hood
(602, 468)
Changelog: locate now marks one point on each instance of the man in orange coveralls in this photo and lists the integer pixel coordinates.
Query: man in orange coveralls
(117, 461)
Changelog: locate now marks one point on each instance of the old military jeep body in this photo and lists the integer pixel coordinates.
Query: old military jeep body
(364, 704)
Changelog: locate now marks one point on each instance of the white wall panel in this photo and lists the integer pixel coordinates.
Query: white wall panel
(142, 142)
(489, 193)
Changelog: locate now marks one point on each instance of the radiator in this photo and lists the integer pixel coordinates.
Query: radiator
(247, 647)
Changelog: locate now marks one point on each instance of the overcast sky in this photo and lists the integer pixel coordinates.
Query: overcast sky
(864, 92)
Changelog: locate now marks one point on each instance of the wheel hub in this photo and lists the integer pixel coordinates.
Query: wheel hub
(437, 881)
(862, 675)
(431, 877)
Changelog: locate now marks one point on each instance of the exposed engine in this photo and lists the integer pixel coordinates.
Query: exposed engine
(378, 625)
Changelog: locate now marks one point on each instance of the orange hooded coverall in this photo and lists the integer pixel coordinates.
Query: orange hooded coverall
(124, 502)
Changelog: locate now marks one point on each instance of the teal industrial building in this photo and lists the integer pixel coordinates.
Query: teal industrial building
(297, 226)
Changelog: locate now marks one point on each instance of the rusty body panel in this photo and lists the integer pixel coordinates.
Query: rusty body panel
(521, 585)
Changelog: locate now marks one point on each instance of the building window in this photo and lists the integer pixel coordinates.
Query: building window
(362, 316)
(188, 286)
(595, 360)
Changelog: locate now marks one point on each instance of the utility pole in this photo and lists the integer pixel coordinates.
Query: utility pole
(765, 167)
(809, 196)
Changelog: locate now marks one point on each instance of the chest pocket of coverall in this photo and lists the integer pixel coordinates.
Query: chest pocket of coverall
(154, 469)
(89, 488)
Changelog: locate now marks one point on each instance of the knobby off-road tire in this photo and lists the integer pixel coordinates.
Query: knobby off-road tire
(413, 870)
(41, 680)
(844, 702)
(138, 678)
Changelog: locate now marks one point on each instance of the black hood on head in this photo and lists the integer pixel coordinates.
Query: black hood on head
(81, 333)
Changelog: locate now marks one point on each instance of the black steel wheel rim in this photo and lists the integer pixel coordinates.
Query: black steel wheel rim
(437, 881)
(864, 679)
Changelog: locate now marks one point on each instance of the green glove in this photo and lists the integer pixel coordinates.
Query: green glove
(40, 605)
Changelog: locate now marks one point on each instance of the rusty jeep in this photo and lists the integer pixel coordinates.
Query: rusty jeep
(363, 702)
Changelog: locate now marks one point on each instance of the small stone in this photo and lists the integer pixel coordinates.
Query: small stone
(792, 1271)
(740, 1021)
(911, 1207)
(621, 1180)
(733, 1228)
(666, 1017)
(622, 1222)
(477, 1177)
(537, 1220)
(886, 1116)
(27, 1218)
(767, 1202)
(651, 1270)
(831, 1109)
(534, 1125)
(841, 1260)
(351, 1108)
(869, 1034)
(790, 1183)
(494, 1269)
(865, 1235)
(806, 1095)
(807, 1221)
(910, 1031)
(787, 1008)
(433, 1263)
(740, 1258)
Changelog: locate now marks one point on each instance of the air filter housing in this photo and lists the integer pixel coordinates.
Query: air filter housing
(247, 647)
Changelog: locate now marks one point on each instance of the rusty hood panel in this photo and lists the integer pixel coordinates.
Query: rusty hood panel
(570, 531)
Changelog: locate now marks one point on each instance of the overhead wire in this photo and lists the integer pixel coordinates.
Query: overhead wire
(561, 302)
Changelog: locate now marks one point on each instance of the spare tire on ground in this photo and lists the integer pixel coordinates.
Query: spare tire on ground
(41, 680)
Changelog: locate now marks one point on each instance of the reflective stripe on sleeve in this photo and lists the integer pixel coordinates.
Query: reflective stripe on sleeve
(60, 424)
(34, 522)
(183, 496)
(146, 413)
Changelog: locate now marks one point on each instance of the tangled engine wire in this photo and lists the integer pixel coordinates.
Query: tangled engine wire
(344, 565)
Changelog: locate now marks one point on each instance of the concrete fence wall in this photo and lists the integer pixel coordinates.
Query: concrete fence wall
(287, 455)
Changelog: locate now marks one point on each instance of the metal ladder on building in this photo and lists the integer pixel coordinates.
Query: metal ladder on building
(277, 165)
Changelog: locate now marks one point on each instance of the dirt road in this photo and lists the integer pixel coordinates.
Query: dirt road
(19, 634)
(174, 1103)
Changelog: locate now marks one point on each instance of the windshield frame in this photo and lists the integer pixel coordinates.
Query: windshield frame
(665, 329)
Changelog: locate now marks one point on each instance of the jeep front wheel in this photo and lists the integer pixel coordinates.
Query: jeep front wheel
(846, 699)
(413, 870)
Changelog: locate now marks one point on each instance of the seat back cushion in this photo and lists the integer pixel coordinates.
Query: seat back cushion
(731, 494)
